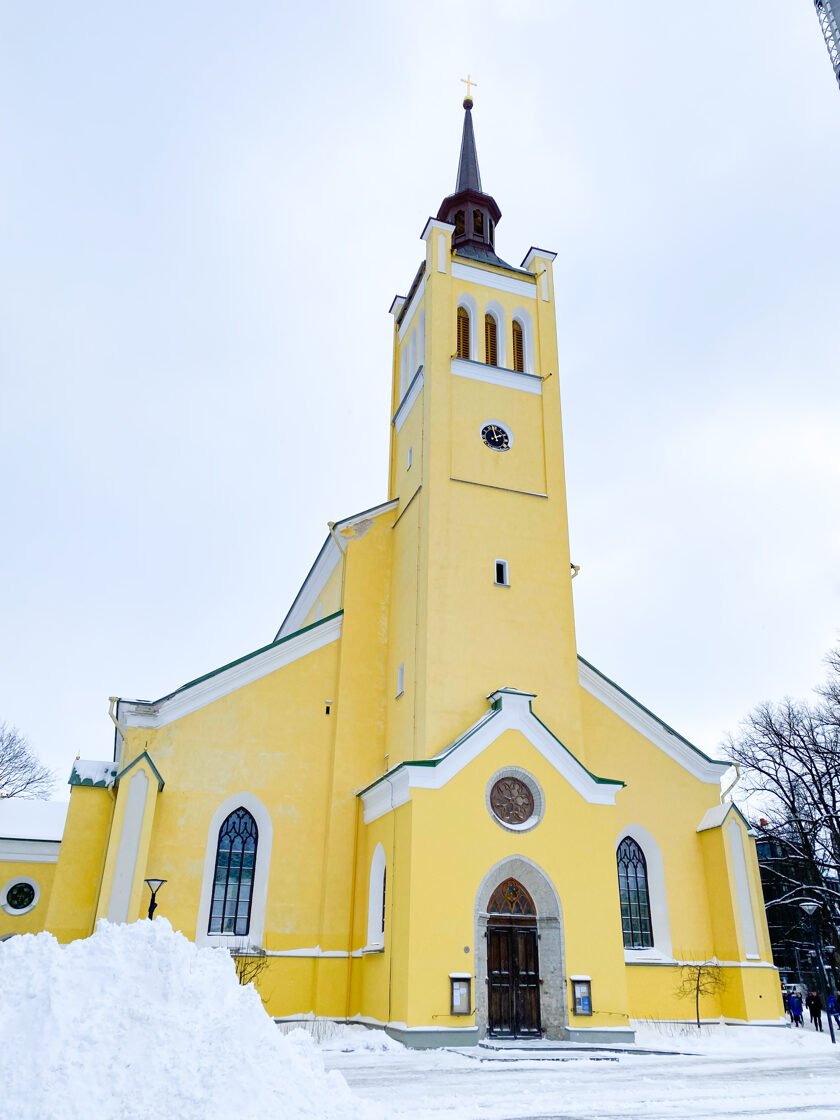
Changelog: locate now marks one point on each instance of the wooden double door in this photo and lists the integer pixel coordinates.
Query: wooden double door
(513, 971)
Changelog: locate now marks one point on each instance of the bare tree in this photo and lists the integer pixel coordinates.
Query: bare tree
(21, 774)
(700, 978)
(790, 756)
(250, 964)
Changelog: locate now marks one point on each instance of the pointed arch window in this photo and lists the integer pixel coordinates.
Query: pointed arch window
(634, 895)
(233, 880)
(511, 899)
(491, 341)
(463, 333)
(518, 347)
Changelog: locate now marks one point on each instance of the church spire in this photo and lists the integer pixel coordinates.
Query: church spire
(473, 213)
(469, 177)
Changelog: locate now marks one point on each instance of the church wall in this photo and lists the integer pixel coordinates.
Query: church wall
(42, 874)
(455, 841)
(272, 739)
(81, 861)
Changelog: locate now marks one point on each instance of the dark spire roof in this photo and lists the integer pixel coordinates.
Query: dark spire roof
(473, 213)
(469, 177)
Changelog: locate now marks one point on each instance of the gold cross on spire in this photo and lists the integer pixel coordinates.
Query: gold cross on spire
(469, 82)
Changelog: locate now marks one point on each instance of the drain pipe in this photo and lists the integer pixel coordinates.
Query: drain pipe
(732, 784)
(120, 729)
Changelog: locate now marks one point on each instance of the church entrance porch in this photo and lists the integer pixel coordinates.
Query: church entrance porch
(520, 985)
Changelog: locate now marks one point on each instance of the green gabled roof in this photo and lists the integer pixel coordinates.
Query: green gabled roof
(665, 726)
(238, 661)
(148, 758)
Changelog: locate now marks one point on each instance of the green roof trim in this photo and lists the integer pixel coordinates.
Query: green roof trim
(594, 777)
(667, 727)
(239, 660)
(108, 778)
(145, 755)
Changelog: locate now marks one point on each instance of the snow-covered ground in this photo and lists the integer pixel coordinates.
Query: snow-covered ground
(759, 1072)
(136, 1022)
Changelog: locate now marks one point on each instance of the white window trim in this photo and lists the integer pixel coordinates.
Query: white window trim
(525, 321)
(492, 307)
(660, 922)
(259, 896)
(375, 930)
(471, 308)
(506, 581)
(13, 883)
(403, 372)
(743, 895)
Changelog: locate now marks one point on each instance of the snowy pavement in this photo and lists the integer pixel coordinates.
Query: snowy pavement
(763, 1073)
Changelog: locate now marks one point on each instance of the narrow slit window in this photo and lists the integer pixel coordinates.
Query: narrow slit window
(409, 458)
(463, 333)
(491, 347)
(400, 680)
(502, 573)
(518, 348)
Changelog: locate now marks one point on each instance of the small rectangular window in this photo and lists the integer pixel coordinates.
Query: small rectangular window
(502, 573)
(400, 680)
(408, 459)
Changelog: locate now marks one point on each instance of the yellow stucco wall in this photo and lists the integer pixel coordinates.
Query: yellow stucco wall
(43, 874)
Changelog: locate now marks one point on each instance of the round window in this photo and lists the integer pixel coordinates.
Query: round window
(515, 799)
(19, 896)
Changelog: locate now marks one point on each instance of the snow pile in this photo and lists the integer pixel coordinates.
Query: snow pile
(136, 1022)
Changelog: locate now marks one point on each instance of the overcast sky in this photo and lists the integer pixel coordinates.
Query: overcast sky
(205, 211)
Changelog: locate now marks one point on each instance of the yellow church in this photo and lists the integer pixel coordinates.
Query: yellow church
(418, 804)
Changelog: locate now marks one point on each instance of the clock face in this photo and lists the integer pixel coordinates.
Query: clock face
(495, 436)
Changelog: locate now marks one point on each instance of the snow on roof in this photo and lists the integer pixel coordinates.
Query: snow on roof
(22, 819)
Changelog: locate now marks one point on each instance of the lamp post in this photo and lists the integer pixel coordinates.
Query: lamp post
(810, 907)
(154, 886)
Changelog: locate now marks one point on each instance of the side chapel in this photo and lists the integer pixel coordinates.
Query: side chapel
(418, 802)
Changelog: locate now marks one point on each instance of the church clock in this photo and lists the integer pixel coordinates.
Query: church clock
(496, 436)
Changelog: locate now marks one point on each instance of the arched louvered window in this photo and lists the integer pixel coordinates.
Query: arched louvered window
(460, 223)
(478, 223)
(463, 333)
(518, 347)
(634, 896)
(491, 342)
(233, 881)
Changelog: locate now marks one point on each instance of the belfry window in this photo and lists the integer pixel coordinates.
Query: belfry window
(233, 880)
(491, 341)
(518, 347)
(478, 223)
(634, 896)
(460, 223)
(463, 333)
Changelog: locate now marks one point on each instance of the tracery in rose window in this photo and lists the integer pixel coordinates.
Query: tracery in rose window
(512, 801)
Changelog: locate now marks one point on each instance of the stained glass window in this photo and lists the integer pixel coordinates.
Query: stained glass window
(511, 898)
(233, 882)
(634, 896)
(20, 896)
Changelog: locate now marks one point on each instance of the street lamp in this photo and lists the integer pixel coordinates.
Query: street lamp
(154, 886)
(810, 908)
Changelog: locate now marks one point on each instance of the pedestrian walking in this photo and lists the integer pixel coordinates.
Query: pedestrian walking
(796, 1009)
(833, 1008)
(814, 1005)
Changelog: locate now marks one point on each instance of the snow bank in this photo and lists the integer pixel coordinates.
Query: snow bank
(136, 1022)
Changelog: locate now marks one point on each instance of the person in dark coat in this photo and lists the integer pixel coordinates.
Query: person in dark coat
(814, 1005)
(833, 1008)
(796, 1009)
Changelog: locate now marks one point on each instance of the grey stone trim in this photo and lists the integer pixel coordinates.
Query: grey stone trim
(536, 792)
(608, 1037)
(433, 1039)
(552, 953)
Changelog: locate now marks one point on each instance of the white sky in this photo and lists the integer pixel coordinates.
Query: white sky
(205, 211)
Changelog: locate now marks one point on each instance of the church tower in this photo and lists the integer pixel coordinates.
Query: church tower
(481, 591)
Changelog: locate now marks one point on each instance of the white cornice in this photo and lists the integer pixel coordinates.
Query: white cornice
(366, 515)
(434, 223)
(159, 713)
(29, 851)
(677, 749)
(396, 305)
(488, 279)
(513, 713)
(412, 308)
(494, 375)
(313, 585)
(411, 395)
(534, 254)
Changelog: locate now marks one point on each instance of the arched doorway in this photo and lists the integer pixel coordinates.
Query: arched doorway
(548, 966)
(513, 968)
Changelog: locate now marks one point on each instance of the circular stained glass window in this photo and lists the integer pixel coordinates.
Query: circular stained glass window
(512, 801)
(20, 896)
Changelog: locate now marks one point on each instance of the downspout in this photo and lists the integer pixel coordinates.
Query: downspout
(732, 784)
(120, 729)
(343, 550)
